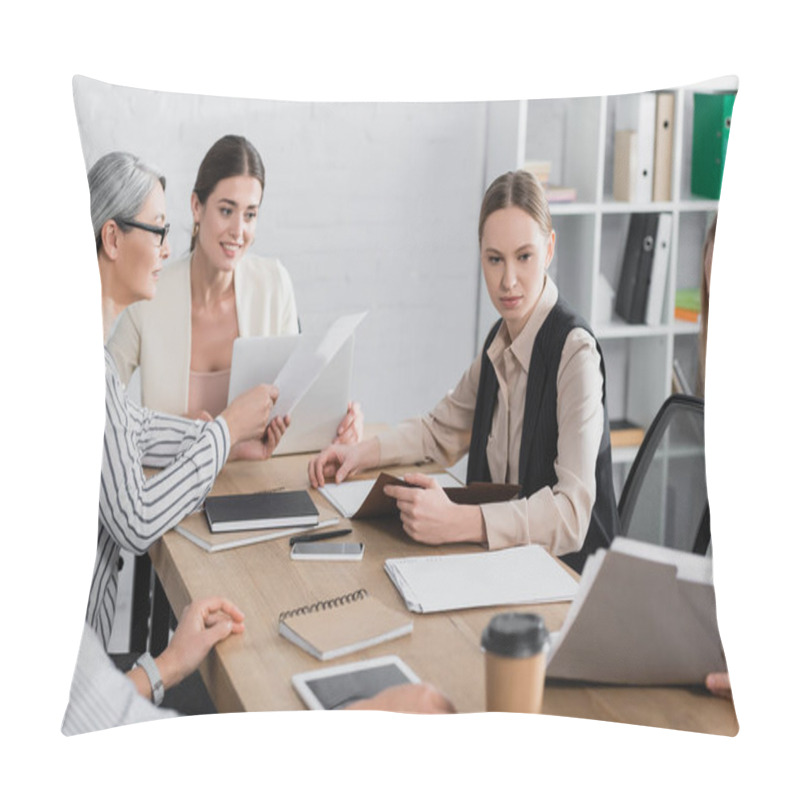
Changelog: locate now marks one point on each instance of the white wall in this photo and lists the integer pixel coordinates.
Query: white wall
(368, 205)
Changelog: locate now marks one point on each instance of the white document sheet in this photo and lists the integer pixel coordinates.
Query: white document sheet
(310, 357)
(347, 497)
(518, 575)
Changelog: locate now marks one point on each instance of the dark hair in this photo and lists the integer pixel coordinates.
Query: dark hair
(228, 157)
(520, 189)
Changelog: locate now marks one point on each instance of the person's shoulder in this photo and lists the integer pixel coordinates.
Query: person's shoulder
(263, 269)
(173, 273)
(173, 281)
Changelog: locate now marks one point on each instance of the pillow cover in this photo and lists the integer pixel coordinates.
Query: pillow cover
(375, 206)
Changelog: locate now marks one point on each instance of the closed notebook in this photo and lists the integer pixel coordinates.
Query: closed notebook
(195, 529)
(332, 628)
(241, 512)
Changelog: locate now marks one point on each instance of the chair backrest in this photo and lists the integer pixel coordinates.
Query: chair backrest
(664, 500)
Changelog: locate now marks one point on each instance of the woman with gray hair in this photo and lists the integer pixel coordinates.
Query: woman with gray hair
(122, 188)
(129, 219)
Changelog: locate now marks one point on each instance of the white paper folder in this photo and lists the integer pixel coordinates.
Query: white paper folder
(518, 575)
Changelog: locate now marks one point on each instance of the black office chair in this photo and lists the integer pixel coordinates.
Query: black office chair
(664, 500)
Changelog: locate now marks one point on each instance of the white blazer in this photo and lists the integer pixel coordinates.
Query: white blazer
(156, 335)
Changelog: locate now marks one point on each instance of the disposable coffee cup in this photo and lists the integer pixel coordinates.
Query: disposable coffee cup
(515, 646)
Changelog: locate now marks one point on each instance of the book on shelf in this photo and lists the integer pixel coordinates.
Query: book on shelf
(341, 625)
(643, 614)
(686, 315)
(625, 433)
(238, 512)
(637, 113)
(687, 304)
(366, 499)
(195, 529)
(560, 194)
(633, 288)
(553, 193)
(662, 155)
(514, 576)
(539, 169)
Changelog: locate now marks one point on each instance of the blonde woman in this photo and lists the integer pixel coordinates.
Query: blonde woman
(529, 410)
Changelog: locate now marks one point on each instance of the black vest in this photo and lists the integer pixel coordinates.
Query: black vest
(539, 445)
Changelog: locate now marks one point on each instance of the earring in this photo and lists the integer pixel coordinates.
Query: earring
(195, 230)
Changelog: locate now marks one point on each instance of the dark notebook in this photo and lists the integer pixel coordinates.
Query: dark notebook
(242, 512)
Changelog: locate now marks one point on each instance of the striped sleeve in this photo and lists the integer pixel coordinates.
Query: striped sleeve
(101, 696)
(135, 510)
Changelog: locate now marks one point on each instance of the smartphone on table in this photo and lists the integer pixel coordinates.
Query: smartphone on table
(327, 551)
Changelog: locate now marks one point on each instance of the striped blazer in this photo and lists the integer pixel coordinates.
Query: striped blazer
(134, 510)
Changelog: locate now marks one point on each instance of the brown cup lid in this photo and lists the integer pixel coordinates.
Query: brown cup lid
(515, 635)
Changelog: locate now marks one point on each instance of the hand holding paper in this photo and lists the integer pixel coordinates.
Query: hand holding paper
(308, 360)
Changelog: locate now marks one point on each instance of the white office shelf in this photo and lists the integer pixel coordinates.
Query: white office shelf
(577, 136)
(571, 209)
(622, 330)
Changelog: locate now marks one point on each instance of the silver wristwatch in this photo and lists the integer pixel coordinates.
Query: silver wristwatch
(145, 661)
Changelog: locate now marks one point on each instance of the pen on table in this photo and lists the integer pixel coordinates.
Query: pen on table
(316, 537)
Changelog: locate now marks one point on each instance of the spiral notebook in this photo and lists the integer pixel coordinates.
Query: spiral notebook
(341, 625)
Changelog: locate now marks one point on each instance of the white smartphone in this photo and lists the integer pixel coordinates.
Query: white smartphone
(337, 687)
(328, 551)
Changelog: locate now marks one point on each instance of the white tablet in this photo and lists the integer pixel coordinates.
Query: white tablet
(336, 687)
(259, 359)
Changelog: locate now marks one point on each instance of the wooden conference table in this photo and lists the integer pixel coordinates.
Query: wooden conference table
(252, 672)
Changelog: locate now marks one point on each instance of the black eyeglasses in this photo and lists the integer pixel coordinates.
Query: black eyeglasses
(162, 232)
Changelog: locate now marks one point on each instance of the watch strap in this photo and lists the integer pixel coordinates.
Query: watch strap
(146, 662)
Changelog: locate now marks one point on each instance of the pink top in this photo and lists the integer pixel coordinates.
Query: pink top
(208, 391)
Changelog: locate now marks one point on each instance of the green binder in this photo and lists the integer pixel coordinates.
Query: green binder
(712, 125)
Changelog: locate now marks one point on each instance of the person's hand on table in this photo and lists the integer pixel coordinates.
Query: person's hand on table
(409, 698)
(339, 461)
(203, 623)
(429, 516)
(351, 428)
(719, 683)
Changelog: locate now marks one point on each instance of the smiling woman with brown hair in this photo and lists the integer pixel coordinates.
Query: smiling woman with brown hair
(529, 410)
(183, 341)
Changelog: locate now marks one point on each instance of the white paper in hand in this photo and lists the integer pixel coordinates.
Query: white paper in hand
(310, 357)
